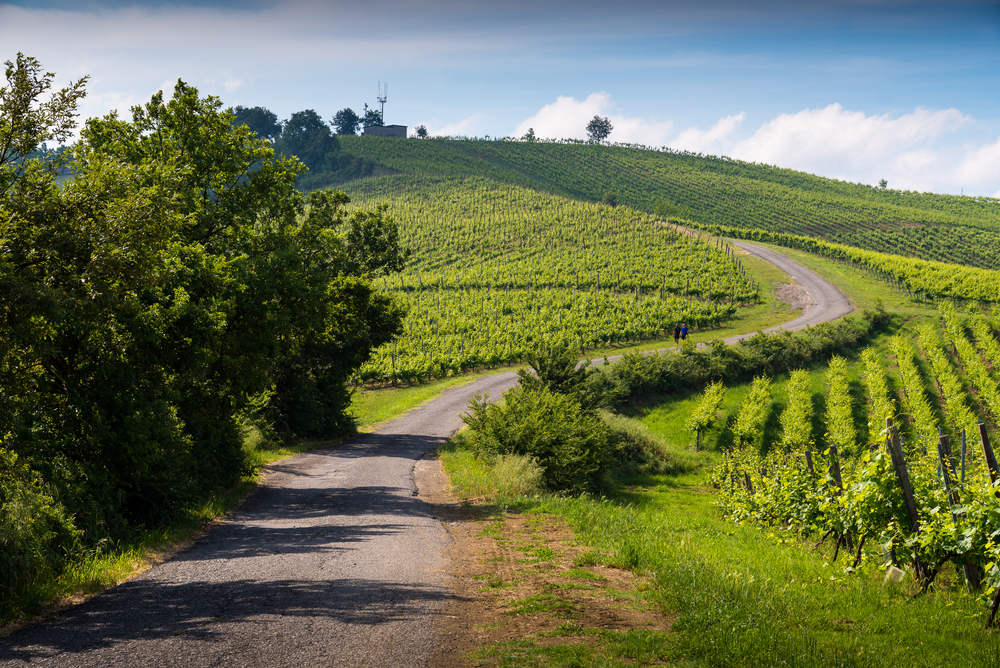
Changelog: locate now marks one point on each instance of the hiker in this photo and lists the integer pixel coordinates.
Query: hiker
(677, 334)
(684, 331)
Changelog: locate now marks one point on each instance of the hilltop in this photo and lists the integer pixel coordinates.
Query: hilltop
(707, 190)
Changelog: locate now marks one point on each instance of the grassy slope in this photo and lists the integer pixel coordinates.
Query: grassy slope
(964, 230)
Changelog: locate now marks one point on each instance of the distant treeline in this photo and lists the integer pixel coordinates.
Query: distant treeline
(309, 138)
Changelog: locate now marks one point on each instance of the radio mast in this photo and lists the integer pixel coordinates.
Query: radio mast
(383, 95)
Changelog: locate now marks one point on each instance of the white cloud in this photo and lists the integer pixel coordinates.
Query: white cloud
(920, 151)
(715, 140)
(467, 127)
(833, 133)
(567, 118)
(980, 165)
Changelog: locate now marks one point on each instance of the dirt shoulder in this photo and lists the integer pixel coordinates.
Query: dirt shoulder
(520, 582)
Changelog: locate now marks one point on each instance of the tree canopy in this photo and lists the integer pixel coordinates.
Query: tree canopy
(308, 138)
(346, 122)
(174, 291)
(263, 122)
(371, 117)
(599, 128)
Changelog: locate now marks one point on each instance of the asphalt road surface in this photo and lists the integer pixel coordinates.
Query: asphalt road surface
(332, 561)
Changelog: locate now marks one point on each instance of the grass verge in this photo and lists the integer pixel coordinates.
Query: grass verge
(742, 596)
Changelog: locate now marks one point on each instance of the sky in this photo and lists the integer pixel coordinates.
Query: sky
(859, 90)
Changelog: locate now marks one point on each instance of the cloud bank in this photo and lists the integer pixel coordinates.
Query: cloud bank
(923, 150)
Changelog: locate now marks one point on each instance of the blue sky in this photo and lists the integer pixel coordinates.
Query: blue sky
(858, 90)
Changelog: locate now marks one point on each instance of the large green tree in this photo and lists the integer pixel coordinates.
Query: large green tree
(346, 122)
(308, 138)
(261, 120)
(175, 289)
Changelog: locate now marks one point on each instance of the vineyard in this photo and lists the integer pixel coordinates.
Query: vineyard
(901, 472)
(917, 277)
(496, 268)
(710, 190)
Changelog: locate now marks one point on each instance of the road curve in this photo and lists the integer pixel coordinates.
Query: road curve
(830, 302)
(333, 560)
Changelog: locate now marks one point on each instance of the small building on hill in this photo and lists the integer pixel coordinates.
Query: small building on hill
(386, 130)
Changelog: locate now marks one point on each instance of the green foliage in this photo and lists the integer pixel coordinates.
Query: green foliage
(915, 399)
(175, 291)
(371, 117)
(26, 120)
(955, 399)
(796, 419)
(753, 412)
(637, 375)
(706, 413)
(37, 535)
(346, 122)
(571, 444)
(308, 138)
(779, 489)
(599, 128)
(839, 412)
(639, 450)
(496, 270)
(883, 406)
(916, 276)
(556, 366)
(261, 121)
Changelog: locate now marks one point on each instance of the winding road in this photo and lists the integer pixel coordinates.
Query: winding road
(332, 561)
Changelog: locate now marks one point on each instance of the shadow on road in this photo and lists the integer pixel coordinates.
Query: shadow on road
(214, 612)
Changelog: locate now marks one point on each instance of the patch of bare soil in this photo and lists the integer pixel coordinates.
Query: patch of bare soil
(518, 576)
(795, 296)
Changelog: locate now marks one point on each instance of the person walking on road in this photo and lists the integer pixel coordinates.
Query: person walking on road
(684, 331)
(677, 334)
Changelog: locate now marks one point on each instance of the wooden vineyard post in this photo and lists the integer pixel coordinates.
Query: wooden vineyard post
(835, 467)
(809, 463)
(835, 472)
(899, 463)
(971, 571)
(746, 477)
(991, 461)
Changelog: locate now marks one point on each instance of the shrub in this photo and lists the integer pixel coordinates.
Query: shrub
(571, 444)
(36, 532)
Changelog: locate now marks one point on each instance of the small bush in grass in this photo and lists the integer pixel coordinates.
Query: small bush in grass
(636, 446)
(571, 444)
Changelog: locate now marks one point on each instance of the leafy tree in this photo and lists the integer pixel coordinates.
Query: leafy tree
(308, 138)
(883, 184)
(599, 128)
(610, 198)
(346, 122)
(421, 131)
(262, 122)
(529, 135)
(371, 117)
(177, 288)
(25, 120)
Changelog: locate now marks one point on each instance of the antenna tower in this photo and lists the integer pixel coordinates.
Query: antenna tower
(383, 95)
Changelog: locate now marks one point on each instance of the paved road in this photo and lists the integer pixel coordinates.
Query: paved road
(332, 561)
